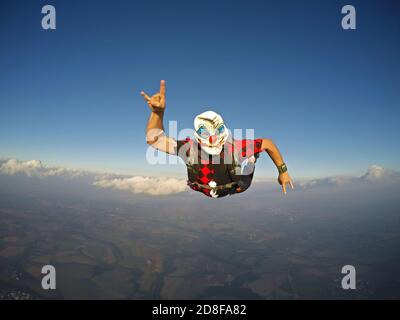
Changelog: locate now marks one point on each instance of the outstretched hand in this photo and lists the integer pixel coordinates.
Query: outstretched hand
(156, 102)
(285, 179)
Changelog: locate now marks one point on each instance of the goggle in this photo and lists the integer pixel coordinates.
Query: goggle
(204, 133)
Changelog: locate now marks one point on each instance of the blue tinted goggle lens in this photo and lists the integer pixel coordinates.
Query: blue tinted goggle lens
(203, 132)
(220, 130)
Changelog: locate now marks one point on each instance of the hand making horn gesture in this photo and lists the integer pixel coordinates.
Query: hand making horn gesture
(156, 102)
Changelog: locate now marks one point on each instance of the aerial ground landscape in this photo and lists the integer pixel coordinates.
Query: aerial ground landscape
(121, 243)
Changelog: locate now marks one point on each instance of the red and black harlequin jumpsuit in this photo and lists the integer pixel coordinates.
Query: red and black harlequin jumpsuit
(207, 168)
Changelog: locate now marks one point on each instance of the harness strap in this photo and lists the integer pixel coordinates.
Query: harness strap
(221, 187)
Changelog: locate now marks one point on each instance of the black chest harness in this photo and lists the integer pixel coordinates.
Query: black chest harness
(228, 176)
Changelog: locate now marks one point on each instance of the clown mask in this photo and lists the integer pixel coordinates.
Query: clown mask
(210, 132)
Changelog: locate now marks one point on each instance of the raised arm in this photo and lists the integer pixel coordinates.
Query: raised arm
(276, 157)
(155, 134)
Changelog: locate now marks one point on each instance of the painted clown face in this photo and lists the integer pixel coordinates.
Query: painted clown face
(210, 132)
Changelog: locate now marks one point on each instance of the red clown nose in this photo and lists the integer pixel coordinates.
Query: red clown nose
(212, 139)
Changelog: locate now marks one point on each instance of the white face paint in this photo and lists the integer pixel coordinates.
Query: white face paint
(210, 132)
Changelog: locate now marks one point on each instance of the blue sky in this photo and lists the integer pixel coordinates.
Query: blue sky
(329, 98)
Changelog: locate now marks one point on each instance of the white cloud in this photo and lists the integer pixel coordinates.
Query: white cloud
(134, 184)
(330, 181)
(13, 166)
(149, 185)
(374, 173)
(35, 168)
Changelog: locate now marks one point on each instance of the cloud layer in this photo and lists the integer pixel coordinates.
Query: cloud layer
(133, 184)
(35, 168)
(138, 184)
(149, 185)
(374, 173)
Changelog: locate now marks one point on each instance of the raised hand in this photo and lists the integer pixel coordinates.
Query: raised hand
(156, 102)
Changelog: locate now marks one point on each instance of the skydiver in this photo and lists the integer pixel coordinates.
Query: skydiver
(217, 164)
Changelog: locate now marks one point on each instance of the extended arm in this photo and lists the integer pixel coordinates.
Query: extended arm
(155, 134)
(273, 151)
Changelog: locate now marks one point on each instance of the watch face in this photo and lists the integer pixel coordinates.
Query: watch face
(283, 168)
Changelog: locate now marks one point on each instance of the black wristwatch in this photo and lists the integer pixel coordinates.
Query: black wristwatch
(282, 168)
